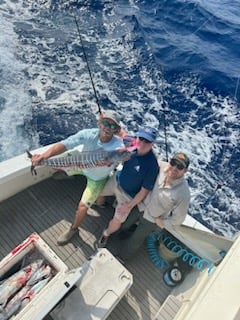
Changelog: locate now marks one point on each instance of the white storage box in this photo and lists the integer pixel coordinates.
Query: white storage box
(105, 281)
(60, 283)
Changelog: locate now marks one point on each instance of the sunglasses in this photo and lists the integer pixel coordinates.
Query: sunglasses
(144, 140)
(176, 163)
(107, 124)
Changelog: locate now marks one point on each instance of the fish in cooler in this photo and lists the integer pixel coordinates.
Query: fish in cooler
(12, 284)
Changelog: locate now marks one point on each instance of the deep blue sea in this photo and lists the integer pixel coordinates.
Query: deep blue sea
(172, 64)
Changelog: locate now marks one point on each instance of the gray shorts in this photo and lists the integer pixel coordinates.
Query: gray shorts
(113, 189)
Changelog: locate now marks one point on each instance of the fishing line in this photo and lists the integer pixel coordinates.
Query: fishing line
(88, 67)
(222, 181)
(219, 186)
(160, 79)
(236, 90)
(211, 196)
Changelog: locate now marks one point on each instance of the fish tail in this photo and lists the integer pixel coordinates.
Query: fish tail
(33, 170)
(29, 154)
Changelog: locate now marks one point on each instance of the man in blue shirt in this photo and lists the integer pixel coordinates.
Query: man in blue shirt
(89, 139)
(133, 183)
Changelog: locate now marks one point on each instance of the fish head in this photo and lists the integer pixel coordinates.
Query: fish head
(130, 142)
(119, 155)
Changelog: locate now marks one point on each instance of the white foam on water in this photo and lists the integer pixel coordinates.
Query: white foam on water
(15, 109)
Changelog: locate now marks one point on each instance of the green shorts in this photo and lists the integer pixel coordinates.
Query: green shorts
(92, 191)
(93, 188)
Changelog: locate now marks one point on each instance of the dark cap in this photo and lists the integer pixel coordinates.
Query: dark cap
(182, 158)
(148, 133)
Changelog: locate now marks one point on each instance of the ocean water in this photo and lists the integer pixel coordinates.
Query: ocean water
(172, 64)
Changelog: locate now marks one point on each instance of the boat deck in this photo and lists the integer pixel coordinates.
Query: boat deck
(48, 208)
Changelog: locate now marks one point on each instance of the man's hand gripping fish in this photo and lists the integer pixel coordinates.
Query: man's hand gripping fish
(90, 159)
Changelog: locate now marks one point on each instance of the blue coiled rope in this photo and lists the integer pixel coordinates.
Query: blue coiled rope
(193, 260)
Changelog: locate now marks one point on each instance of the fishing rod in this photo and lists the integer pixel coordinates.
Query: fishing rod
(88, 67)
(165, 130)
(164, 116)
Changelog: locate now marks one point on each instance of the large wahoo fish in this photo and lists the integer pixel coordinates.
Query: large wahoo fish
(90, 159)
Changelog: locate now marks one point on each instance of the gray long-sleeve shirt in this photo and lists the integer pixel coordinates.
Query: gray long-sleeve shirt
(169, 202)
